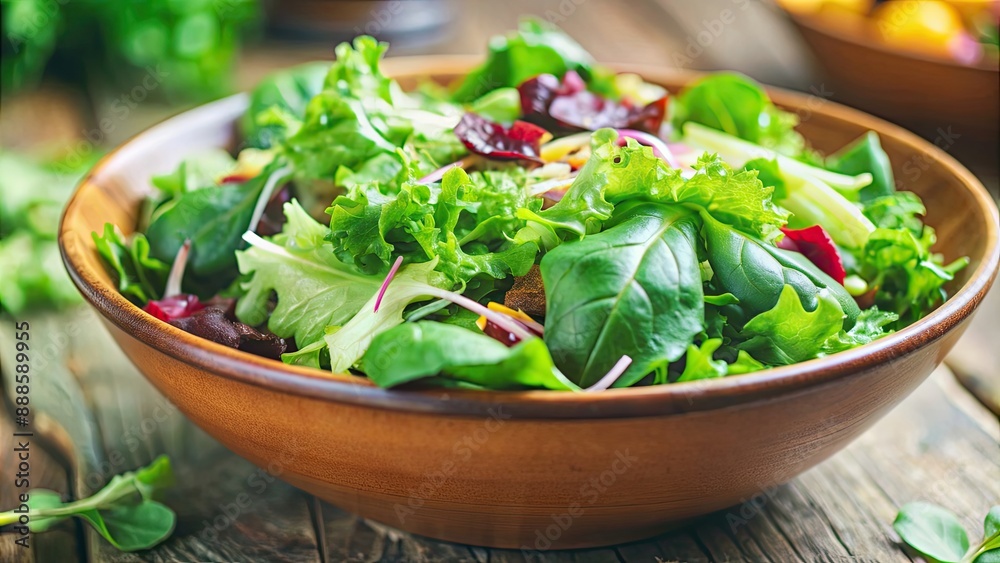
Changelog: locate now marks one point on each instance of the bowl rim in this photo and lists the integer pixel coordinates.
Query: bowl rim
(676, 398)
(818, 24)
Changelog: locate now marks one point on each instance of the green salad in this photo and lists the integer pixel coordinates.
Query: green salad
(541, 222)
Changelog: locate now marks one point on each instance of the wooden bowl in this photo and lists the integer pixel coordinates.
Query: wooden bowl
(922, 92)
(534, 469)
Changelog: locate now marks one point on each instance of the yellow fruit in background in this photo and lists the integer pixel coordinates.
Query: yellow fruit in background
(860, 7)
(927, 26)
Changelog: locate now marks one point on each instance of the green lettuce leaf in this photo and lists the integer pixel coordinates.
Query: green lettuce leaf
(412, 283)
(615, 174)
(870, 325)
(413, 351)
(467, 223)
(140, 277)
(283, 93)
(788, 333)
(699, 363)
(909, 279)
(314, 289)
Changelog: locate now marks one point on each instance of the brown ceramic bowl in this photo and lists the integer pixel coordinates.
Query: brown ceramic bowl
(535, 469)
(916, 90)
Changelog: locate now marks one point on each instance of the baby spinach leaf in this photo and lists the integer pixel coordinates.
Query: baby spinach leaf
(788, 333)
(933, 531)
(286, 91)
(123, 512)
(537, 47)
(194, 173)
(865, 155)
(214, 220)
(325, 290)
(413, 351)
(633, 289)
(735, 104)
(139, 276)
(756, 272)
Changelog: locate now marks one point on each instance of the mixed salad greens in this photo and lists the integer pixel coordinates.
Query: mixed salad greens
(540, 223)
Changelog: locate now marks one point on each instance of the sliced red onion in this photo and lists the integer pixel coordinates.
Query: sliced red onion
(439, 173)
(609, 379)
(660, 149)
(388, 278)
(177, 271)
(499, 319)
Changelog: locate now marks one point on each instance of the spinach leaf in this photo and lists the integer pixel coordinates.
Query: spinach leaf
(413, 351)
(537, 47)
(325, 290)
(933, 531)
(788, 333)
(123, 512)
(195, 173)
(865, 155)
(214, 220)
(288, 91)
(633, 289)
(737, 105)
(139, 276)
(756, 272)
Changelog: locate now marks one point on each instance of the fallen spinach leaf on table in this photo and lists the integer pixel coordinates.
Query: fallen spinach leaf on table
(936, 533)
(123, 512)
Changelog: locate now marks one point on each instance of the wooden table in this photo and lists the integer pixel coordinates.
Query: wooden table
(96, 416)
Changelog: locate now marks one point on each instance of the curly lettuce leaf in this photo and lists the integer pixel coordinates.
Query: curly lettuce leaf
(615, 174)
(871, 325)
(361, 114)
(466, 223)
(314, 289)
(414, 351)
(788, 333)
(907, 277)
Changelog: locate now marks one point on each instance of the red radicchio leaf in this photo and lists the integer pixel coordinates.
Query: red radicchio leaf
(816, 245)
(273, 218)
(521, 140)
(174, 307)
(570, 106)
(235, 179)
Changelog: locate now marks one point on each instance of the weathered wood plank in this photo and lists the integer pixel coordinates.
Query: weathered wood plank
(59, 544)
(107, 419)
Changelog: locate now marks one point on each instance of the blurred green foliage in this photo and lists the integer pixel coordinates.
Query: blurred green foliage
(191, 42)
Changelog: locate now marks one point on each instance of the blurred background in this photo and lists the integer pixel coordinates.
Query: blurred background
(81, 76)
